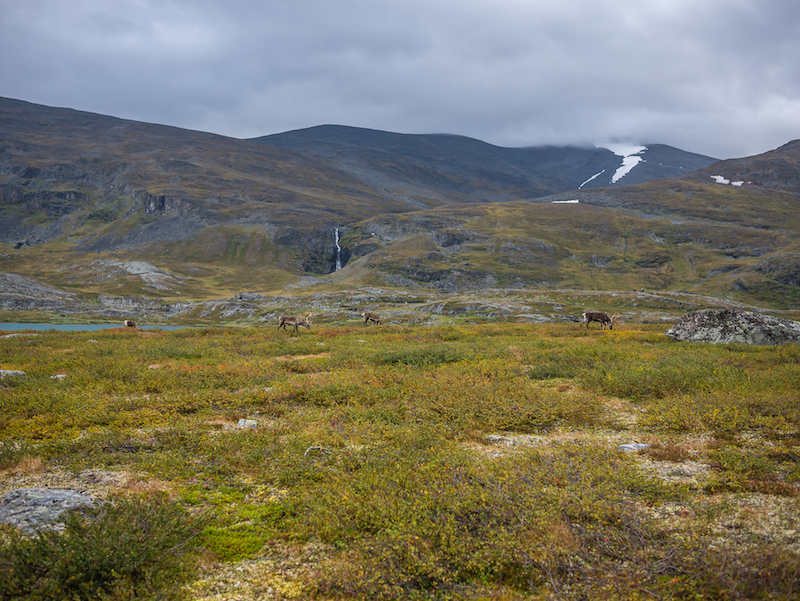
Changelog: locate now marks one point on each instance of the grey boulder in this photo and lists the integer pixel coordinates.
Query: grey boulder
(33, 509)
(733, 325)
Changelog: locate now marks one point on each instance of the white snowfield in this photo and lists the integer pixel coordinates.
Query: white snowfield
(591, 178)
(630, 158)
(724, 180)
(629, 153)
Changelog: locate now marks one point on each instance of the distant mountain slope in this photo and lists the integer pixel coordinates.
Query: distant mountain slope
(777, 169)
(108, 183)
(737, 243)
(86, 200)
(468, 170)
(658, 161)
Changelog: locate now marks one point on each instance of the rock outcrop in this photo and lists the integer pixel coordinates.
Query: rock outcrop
(33, 509)
(731, 325)
(11, 372)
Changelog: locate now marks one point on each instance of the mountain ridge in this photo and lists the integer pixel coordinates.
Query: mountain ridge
(534, 171)
(82, 193)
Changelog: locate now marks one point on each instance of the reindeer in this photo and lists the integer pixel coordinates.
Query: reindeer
(599, 316)
(129, 323)
(371, 317)
(295, 321)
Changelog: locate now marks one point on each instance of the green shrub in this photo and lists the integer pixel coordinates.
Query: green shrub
(420, 518)
(489, 395)
(564, 362)
(11, 452)
(424, 355)
(129, 548)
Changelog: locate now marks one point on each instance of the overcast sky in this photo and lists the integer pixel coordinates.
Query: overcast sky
(718, 77)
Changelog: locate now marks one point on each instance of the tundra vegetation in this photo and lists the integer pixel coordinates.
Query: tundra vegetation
(463, 461)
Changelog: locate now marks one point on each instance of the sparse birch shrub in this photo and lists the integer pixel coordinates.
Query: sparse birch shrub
(300, 366)
(129, 548)
(352, 387)
(668, 451)
(430, 520)
(563, 362)
(649, 376)
(721, 413)
(172, 349)
(751, 470)
(424, 356)
(185, 402)
(490, 395)
(109, 447)
(450, 333)
(13, 451)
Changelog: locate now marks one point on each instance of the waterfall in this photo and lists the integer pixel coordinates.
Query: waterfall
(338, 248)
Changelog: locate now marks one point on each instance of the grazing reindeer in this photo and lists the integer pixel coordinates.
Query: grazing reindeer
(599, 316)
(128, 323)
(294, 321)
(371, 317)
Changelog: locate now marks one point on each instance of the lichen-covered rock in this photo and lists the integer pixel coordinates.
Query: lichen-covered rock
(11, 372)
(732, 325)
(32, 509)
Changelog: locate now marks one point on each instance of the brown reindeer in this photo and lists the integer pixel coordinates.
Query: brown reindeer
(371, 317)
(129, 323)
(294, 321)
(599, 316)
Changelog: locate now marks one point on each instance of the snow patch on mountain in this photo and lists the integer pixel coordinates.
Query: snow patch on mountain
(591, 178)
(724, 180)
(630, 158)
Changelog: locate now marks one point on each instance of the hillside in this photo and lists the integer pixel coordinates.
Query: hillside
(96, 205)
(728, 230)
(666, 235)
(96, 183)
(777, 169)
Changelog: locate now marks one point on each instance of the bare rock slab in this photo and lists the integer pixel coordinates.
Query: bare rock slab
(11, 372)
(732, 325)
(32, 509)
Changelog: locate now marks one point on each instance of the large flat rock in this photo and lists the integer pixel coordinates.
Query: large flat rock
(32, 509)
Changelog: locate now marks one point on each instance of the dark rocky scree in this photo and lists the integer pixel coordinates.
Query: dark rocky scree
(734, 326)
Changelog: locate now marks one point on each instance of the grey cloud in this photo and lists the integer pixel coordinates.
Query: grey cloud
(716, 77)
